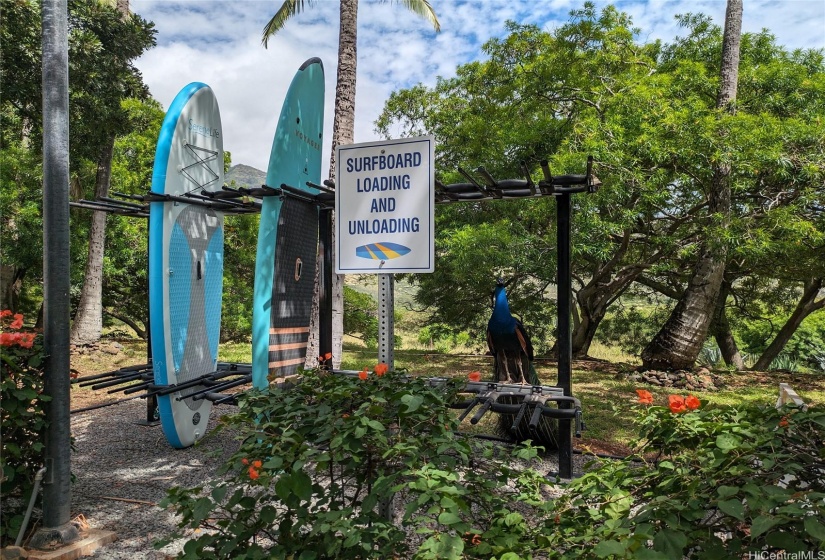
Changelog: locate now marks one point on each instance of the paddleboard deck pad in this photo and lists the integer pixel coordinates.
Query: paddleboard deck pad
(288, 233)
(186, 260)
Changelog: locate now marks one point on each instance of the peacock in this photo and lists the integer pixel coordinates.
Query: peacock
(512, 352)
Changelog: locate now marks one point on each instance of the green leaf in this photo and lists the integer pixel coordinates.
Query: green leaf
(301, 485)
(609, 548)
(449, 547)
(413, 402)
(763, 523)
(353, 539)
(283, 487)
(727, 491)
(726, 441)
(201, 510)
(785, 541)
(268, 514)
(814, 528)
(448, 518)
(670, 542)
(734, 508)
(218, 493)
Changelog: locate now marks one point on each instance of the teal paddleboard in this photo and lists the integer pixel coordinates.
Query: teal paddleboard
(288, 233)
(186, 260)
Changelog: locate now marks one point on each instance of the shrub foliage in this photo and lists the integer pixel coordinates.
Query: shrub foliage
(319, 463)
(23, 419)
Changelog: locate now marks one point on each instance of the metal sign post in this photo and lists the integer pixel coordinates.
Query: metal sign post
(386, 326)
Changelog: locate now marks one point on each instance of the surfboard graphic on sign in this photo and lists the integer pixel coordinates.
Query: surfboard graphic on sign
(288, 233)
(186, 260)
(381, 251)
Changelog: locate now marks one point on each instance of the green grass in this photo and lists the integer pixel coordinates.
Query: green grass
(608, 397)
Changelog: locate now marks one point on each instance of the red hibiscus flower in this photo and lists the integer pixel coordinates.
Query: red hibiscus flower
(645, 397)
(18, 321)
(692, 402)
(676, 404)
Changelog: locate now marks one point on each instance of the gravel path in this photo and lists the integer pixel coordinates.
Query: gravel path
(116, 461)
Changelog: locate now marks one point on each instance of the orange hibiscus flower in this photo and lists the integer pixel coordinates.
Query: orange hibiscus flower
(381, 369)
(474, 376)
(676, 404)
(363, 374)
(692, 402)
(645, 397)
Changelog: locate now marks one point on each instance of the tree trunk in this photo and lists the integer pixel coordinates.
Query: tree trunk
(343, 131)
(593, 301)
(678, 343)
(88, 322)
(721, 331)
(128, 321)
(11, 284)
(807, 305)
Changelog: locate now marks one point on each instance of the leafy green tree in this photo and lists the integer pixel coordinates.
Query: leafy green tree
(343, 126)
(566, 94)
(115, 38)
(101, 45)
(240, 235)
(648, 114)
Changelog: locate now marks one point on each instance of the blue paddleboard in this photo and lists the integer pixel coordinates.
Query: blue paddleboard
(288, 233)
(186, 260)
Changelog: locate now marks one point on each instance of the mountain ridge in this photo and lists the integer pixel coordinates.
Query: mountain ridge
(245, 176)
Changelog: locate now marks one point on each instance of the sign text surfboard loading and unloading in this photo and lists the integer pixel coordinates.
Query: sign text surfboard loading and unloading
(384, 201)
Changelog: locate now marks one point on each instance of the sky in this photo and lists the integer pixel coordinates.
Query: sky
(219, 43)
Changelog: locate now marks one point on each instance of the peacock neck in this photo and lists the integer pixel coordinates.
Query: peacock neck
(501, 310)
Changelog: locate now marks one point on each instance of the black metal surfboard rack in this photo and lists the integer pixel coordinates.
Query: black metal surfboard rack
(536, 400)
(140, 378)
(484, 187)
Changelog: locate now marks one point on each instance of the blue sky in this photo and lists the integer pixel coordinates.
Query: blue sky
(218, 42)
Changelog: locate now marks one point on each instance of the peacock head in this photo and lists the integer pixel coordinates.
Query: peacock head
(499, 295)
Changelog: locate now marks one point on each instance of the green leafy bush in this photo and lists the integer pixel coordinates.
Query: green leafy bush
(240, 233)
(631, 327)
(711, 483)
(23, 419)
(361, 316)
(442, 338)
(317, 462)
(806, 346)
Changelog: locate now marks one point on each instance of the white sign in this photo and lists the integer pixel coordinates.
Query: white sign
(384, 207)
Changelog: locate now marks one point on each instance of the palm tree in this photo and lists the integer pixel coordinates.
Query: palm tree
(678, 343)
(343, 125)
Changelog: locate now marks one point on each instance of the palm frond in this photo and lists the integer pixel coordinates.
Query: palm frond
(288, 9)
(423, 9)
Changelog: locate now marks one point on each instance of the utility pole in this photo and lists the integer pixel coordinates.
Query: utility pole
(57, 492)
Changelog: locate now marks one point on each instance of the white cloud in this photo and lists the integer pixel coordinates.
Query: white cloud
(218, 42)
